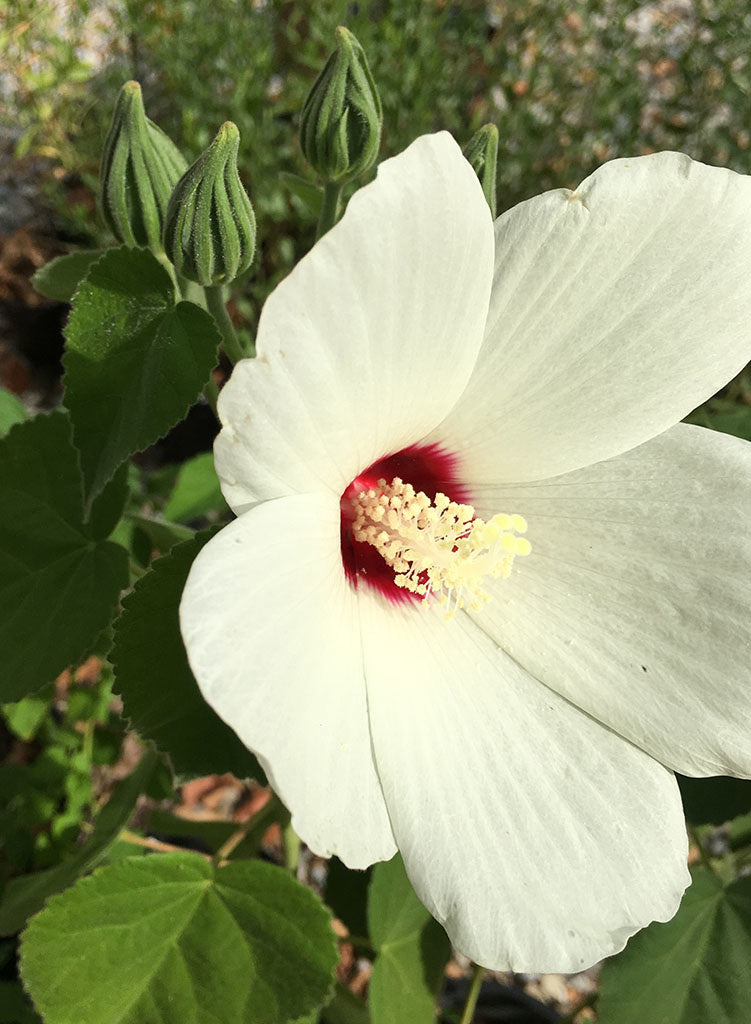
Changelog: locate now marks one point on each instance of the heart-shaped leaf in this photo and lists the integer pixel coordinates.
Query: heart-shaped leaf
(169, 939)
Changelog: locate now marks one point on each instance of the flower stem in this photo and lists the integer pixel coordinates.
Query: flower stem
(473, 994)
(330, 208)
(161, 255)
(228, 847)
(291, 842)
(230, 341)
(156, 845)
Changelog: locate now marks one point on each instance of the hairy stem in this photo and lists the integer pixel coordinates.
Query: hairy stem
(230, 341)
(330, 208)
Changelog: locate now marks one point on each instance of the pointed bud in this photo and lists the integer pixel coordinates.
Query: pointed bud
(340, 124)
(140, 165)
(210, 230)
(482, 152)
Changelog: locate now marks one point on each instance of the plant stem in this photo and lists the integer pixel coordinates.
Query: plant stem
(329, 209)
(472, 995)
(155, 844)
(231, 844)
(161, 255)
(291, 842)
(230, 341)
(88, 741)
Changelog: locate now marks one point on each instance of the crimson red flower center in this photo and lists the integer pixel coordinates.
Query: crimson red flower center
(429, 468)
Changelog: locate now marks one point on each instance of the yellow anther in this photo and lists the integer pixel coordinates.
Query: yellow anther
(438, 550)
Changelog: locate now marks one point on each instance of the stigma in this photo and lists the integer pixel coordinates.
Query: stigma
(438, 549)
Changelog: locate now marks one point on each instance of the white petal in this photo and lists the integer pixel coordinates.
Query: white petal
(541, 840)
(615, 310)
(372, 337)
(271, 629)
(635, 602)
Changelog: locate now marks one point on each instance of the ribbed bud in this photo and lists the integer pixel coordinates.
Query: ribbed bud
(140, 165)
(482, 152)
(210, 230)
(340, 124)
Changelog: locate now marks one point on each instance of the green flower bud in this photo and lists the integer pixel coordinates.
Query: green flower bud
(482, 152)
(210, 229)
(340, 125)
(140, 165)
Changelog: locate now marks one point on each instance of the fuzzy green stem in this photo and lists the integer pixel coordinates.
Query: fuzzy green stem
(291, 842)
(161, 255)
(227, 848)
(329, 209)
(473, 994)
(230, 341)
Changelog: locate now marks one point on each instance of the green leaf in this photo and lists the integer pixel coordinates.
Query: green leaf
(59, 585)
(412, 950)
(169, 939)
(196, 492)
(26, 895)
(25, 717)
(152, 675)
(60, 278)
(714, 800)
(12, 411)
(694, 969)
(108, 506)
(135, 361)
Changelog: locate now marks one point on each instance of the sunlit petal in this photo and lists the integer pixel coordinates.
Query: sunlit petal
(616, 309)
(372, 337)
(271, 629)
(540, 839)
(636, 600)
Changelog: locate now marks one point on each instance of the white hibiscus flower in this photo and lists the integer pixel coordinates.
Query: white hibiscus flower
(519, 753)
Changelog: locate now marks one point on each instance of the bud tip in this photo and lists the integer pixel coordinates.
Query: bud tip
(229, 132)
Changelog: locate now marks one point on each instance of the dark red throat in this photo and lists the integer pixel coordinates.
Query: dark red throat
(429, 468)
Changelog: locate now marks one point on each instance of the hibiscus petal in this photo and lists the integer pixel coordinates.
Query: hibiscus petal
(616, 309)
(540, 839)
(372, 337)
(635, 602)
(271, 630)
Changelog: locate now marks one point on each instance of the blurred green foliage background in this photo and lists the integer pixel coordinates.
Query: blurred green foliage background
(570, 85)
